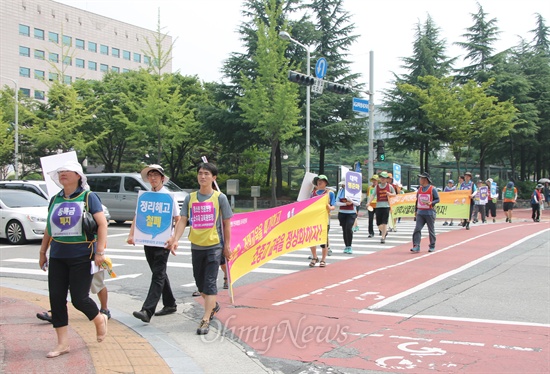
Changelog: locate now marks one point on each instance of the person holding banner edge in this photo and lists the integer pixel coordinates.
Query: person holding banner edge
(157, 257)
(347, 214)
(209, 214)
(321, 183)
(424, 212)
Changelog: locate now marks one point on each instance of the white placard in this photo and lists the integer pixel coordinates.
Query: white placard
(307, 187)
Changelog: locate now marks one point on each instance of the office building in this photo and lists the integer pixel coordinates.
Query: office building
(42, 41)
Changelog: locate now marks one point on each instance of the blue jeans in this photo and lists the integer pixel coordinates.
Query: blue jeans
(422, 220)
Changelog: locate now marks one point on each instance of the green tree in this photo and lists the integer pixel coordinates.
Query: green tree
(333, 122)
(269, 100)
(409, 126)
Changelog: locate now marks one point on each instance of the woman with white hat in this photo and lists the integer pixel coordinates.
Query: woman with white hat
(71, 252)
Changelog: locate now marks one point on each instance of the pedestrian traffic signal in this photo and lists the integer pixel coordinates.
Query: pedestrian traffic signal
(337, 88)
(380, 150)
(305, 80)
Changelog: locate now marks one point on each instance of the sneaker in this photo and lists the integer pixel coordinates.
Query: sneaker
(214, 311)
(475, 220)
(382, 240)
(225, 284)
(203, 328)
(415, 249)
(166, 310)
(467, 225)
(371, 235)
(494, 220)
(510, 220)
(431, 249)
(445, 223)
(451, 224)
(329, 252)
(350, 251)
(507, 219)
(484, 221)
(107, 312)
(142, 315)
(346, 250)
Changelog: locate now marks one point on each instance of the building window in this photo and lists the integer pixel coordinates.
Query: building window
(39, 95)
(25, 72)
(67, 79)
(25, 92)
(104, 50)
(41, 55)
(67, 60)
(103, 67)
(54, 57)
(115, 52)
(39, 34)
(39, 74)
(124, 70)
(78, 79)
(79, 63)
(116, 69)
(24, 30)
(147, 60)
(92, 47)
(126, 55)
(52, 77)
(79, 43)
(53, 37)
(137, 57)
(67, 40)
(24, 51)
(92, 65)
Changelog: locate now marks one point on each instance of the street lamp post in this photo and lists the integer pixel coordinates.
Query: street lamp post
(16, 137)
(286, 36)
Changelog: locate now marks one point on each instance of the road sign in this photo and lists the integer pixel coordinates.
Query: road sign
(318, 86)
(396, 173)
(321, 68)
(360, 105)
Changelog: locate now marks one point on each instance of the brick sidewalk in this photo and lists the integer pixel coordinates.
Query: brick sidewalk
(25, 341)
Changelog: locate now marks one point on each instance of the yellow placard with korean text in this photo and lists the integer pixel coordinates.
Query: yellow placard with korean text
(454, 204)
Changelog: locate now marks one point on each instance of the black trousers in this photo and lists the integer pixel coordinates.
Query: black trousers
(70, 274)
(536, 211)
(491, 208)
(347, 221)
(371, 222)
(157, 258)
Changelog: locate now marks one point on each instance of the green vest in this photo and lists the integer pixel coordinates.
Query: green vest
(65, 219)
(509, 193)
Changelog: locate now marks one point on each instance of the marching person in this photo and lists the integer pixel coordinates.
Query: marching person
(382, 191)
(347, 214)
(480, 197)
(537, 199)
(157, 257)
(370, 207)
(468, 185)
(71, 253)
(491, 207)
(321, 189)
(509, 197)
(209, 214)
(426, 199)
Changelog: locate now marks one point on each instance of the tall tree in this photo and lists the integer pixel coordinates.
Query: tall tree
(333, 122)
(269, 100)
(409, 126)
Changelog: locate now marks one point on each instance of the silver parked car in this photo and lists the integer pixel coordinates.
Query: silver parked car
(23, 216)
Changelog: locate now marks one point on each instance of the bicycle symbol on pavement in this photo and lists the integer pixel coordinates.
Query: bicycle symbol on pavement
(404, 363)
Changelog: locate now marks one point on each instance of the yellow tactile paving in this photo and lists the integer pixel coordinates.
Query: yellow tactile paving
(122, 351)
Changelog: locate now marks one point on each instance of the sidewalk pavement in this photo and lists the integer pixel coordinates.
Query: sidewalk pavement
(169, 345)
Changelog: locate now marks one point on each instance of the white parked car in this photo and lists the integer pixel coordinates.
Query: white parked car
(39, 188)
(23, 216)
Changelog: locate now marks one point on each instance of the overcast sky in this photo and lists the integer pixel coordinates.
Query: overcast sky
(206, 29)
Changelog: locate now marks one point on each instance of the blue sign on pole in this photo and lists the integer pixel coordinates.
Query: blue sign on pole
(321, 68)
(360, 105)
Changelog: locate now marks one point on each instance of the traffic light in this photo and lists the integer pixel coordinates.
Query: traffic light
(337, 88)
(381, 155)
(305, 80)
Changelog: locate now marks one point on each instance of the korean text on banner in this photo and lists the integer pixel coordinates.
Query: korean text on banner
(354, 185)
(153, 218)
(454, 204)
(260, 236)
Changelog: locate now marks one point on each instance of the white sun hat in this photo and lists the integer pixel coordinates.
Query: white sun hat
(70, 166)
(156, 167)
